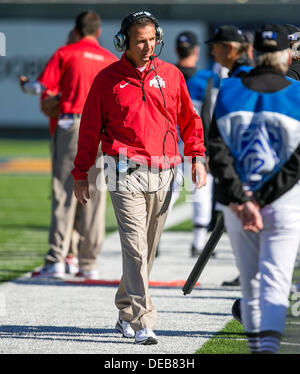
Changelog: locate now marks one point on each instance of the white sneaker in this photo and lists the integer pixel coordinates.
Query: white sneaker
(55, 270)
(88, 274)
(72, 266)
(124, 328)
(146, 337)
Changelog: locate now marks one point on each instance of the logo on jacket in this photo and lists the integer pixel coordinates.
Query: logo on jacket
(124, 85)
(258, 148)
(157, 82)
(93, 56)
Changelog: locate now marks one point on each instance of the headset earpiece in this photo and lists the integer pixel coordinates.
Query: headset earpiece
(159, 35)
(120, 40)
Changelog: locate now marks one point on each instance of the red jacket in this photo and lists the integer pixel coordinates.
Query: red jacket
(73, 68)
(128, 112)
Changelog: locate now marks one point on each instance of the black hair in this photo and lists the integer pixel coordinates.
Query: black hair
(185, 50)
(87, 23)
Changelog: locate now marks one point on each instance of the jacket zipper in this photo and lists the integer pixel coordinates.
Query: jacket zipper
(142, 82)
(143, 90)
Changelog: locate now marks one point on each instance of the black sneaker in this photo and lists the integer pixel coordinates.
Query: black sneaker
(234, 283)
(196, 253)
(236, 310)
(157, 253)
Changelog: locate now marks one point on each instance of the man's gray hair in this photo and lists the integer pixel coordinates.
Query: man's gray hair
(278, 60)
(240, 47)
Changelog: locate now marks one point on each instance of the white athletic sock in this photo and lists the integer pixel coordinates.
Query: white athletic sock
(200, 234)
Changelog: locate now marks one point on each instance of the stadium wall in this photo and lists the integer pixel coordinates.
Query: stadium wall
(33, 31)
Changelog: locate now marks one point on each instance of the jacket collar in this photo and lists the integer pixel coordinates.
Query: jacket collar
(124, 60)
(265, 70)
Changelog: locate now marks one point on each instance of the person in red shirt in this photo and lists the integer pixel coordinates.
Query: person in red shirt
(133, 109)
(49, 106)
(73, 68)
(50, 99)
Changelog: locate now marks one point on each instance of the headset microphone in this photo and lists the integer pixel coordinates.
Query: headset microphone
(151, 58)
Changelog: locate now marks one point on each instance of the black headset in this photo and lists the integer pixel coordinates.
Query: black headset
(121, 39)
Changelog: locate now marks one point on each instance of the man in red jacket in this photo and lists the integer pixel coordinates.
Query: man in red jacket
(133, 108)
(71, 70)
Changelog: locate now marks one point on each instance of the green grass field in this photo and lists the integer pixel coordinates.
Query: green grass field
(24, 222)
(230, 340)
(25, 201)
(24, 148)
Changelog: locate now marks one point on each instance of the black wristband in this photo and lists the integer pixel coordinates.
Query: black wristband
(199, 159)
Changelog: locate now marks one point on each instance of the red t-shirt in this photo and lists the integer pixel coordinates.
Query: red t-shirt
(73, 68)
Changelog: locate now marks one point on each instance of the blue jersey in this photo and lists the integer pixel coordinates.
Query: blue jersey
(262, 130)
(197, 86)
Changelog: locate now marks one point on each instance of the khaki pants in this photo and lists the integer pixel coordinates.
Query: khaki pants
(141, 216)
(89, 225)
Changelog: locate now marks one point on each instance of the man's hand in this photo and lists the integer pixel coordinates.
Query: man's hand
(22, 81)
(249, 215)
(50, 106)
(198, 174)
(81, 191)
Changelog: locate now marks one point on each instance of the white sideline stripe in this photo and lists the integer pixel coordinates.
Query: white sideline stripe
(288, 343)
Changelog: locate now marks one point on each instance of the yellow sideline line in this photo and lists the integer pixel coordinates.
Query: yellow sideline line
(27, 165)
